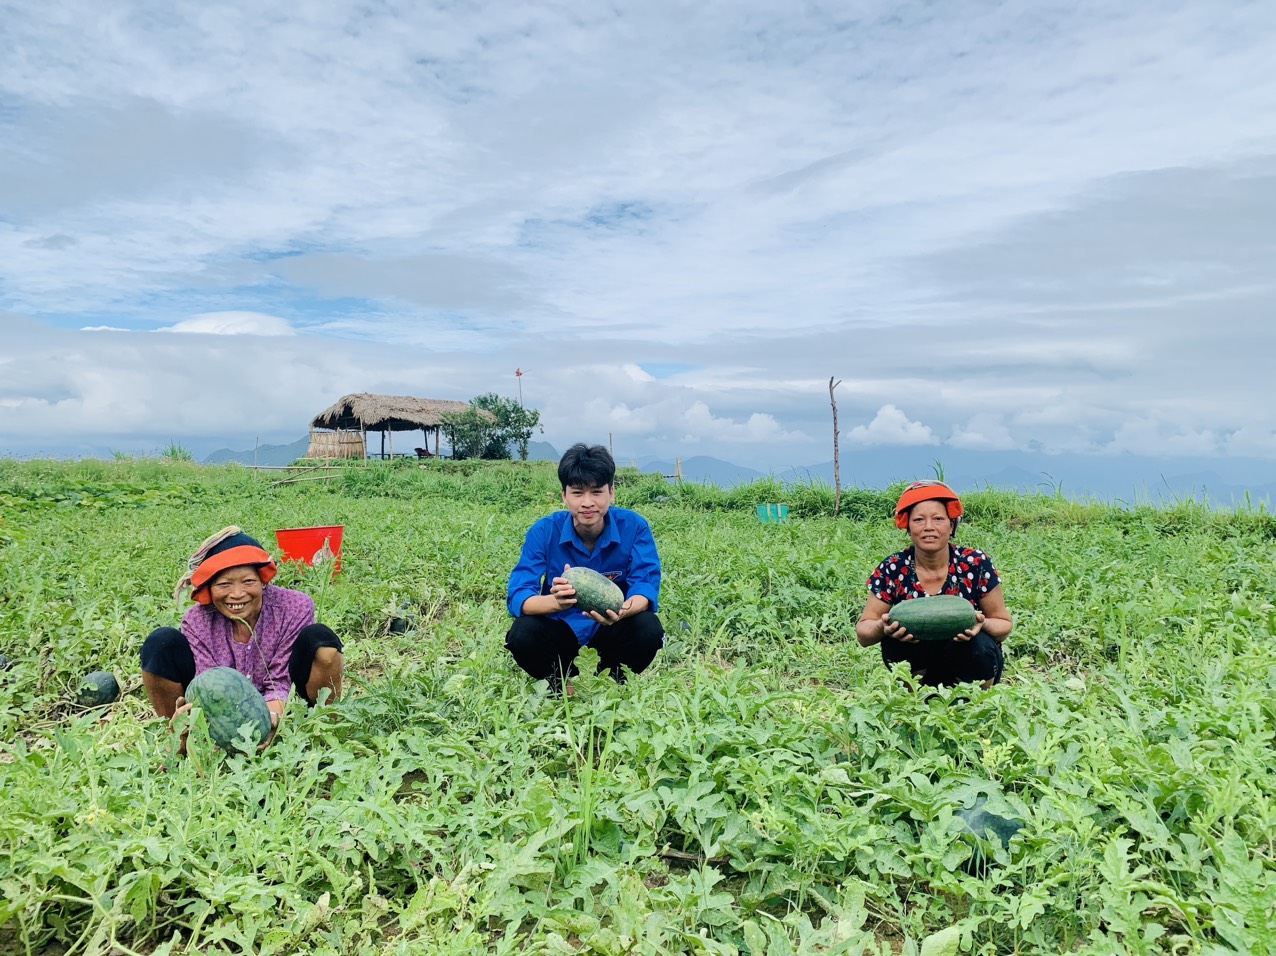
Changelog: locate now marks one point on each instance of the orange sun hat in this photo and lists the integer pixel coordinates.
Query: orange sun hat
(920, 491)
(229, 548)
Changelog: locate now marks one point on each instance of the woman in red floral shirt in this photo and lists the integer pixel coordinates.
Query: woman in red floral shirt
(930, 511)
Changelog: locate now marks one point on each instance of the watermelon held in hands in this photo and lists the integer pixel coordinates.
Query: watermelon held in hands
(594, 592)
(938, 618)
(97, 689)
(229, 702)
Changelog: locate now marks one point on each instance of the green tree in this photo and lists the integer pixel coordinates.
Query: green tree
(465, 432)
(492, 427)
(512, 428)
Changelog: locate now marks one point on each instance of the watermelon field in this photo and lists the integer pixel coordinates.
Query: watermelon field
(765, 788)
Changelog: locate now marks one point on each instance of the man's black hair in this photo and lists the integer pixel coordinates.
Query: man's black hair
(586, 466)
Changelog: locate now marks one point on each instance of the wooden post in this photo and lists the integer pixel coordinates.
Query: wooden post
(677, 470)
(837, 468)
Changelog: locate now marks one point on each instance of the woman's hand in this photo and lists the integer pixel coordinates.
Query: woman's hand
(969, 633)
(895, 630)
(276, 708)
(180, 722)
(274, 726)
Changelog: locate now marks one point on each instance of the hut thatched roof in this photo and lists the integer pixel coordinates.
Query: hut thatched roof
(396, 413)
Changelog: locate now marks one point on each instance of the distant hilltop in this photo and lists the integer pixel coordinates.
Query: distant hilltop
(1232, 482)
(262, 455)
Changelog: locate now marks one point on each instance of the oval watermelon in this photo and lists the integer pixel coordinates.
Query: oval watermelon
(229, 702)
(97, 689)
(938, 618)
(594, 592)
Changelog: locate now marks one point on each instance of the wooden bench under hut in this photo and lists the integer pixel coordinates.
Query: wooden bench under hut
(342, 430)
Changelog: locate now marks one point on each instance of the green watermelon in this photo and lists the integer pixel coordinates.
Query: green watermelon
(594, 592)
(97, 689)
(229, 701)
(6, 662)
(980, 822)
(938, 618)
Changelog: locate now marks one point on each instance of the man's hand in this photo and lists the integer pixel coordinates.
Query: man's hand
(611, 617)
(562, 592)
(634, 605)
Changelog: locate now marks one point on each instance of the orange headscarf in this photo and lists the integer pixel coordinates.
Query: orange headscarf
(926, 491)
(228, 548)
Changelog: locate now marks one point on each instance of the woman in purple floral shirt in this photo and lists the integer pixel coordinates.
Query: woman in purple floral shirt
(930, 511)
(241, 620)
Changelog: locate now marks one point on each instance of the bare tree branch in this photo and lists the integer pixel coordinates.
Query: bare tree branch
(837, 466)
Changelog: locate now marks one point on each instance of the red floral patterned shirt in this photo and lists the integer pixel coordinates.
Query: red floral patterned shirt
(970, 575)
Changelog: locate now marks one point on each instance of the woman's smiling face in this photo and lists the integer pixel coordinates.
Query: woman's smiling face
(929, 526)
(236, 593)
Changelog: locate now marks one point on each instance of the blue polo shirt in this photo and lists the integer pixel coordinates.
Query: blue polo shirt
(624, 552)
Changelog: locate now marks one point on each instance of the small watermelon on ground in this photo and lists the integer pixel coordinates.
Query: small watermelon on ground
(978, 820)
(402, 620)
(97, 689)
(229, 702)
(6, 662)
(594, 592)
(938, 618)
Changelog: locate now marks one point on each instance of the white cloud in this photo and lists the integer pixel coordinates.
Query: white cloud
(1151, 437)
(1036, 229)
(638, 374)
(232, 323)
(1252, 441)
(983, 431)
(701, 424)
(890, 426)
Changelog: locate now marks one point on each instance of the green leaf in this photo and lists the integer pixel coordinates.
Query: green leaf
(944, 943)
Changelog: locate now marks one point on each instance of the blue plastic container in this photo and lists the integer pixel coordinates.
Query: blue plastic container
(773, 514)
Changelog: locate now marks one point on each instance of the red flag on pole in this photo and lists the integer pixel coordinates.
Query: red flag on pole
(518, 373)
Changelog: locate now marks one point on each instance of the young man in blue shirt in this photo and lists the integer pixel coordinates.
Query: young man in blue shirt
(548, 632)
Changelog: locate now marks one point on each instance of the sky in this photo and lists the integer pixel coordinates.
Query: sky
(1018, 226)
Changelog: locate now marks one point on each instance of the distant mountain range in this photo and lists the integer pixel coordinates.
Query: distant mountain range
(1125, 478)
(262, 455)
(1120, 478)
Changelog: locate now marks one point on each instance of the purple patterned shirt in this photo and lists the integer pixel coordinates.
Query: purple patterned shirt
(264, 659)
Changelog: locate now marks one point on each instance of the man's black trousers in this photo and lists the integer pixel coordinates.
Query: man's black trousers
(546, 647)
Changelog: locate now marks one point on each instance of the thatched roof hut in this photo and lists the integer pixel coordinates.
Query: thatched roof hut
(364, 412)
